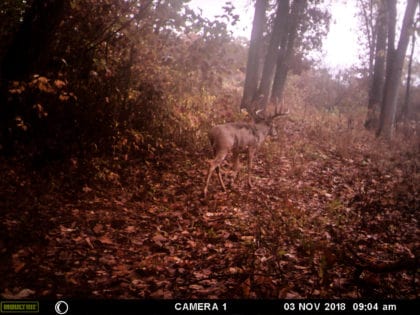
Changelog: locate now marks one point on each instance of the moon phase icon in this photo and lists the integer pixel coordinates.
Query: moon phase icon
(61, 307)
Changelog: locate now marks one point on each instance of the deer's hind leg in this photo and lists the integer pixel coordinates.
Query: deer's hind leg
(219, 176)
(236, 165)
(251, 153)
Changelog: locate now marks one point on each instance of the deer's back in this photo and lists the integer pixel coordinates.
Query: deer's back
(233, 135)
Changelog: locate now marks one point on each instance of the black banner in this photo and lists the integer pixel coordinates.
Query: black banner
(131, 307)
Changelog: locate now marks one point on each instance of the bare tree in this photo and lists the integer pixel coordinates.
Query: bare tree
(378, 77)
(286, 51)
(293, 23)
(254, 54)
(368, 9)
(395, 61)
(278, 35)
(405, 109)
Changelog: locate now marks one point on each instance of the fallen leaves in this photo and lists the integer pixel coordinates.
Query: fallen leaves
(285, 238)
(22, 294)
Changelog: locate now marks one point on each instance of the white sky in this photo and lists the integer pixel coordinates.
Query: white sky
(340, 47)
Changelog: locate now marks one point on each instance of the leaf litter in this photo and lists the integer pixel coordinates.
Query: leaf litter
(317, 223)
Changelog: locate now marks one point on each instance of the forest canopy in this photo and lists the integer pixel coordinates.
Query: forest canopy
(87, 77)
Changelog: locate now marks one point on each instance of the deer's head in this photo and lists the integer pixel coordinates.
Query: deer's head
(262, 117)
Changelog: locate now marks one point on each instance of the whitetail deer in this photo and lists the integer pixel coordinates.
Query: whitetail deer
(236, 137)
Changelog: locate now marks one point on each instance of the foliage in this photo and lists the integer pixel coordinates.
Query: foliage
(313, 28)
(11, 14)
(151, 69)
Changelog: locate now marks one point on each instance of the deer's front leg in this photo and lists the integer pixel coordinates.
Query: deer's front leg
(209, 172)
(215, 165)
(251, 152)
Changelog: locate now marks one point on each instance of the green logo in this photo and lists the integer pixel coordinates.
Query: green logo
(19, 307)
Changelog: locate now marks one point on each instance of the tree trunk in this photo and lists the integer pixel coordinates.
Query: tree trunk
(367, 8)
(283, 60)
(254, 55)
(404, 109)
(278, 33)
(394, 71)
(377, 85)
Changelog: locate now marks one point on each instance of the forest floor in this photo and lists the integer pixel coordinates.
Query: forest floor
(333, 214)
